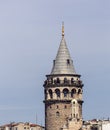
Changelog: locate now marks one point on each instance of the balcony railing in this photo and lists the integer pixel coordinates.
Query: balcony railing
(53, 83)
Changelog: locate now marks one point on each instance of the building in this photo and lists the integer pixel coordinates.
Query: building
(63, 93)
(21, 126)
(96, 124)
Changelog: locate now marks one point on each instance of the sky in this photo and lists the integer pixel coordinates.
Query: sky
(30, 34)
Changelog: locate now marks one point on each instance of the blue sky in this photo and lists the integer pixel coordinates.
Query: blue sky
(30, 33)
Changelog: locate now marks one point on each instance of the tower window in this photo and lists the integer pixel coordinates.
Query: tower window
(50, 93)
(65, 92)
(79, 91)
(57, 91)
(72, 80)
(68, 61)
(57, 106)
(65, 80)
(55, 81)
(57, 114)
(73, 91)
(73, 102)
(58, 80)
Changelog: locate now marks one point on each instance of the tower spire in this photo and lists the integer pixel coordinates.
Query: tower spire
(63, 63)
(63, 29)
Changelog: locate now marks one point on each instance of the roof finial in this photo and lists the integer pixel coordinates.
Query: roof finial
(62, 29)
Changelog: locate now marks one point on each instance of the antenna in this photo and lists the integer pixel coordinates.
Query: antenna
(36, 118)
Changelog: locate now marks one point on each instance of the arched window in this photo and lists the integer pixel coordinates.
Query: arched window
(72, 80)
(79, 91)
(58, 80)
(73, 91)
(57, 114)
(50, 93)
(65, 92)
(65, 80)
(57, 91)
(55, 81)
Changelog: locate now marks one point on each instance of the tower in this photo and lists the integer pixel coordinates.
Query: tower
(63, 93)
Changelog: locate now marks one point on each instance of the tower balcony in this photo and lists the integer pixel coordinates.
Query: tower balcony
(58, 83)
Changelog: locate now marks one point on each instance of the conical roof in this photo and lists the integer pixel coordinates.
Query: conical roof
(63, 63)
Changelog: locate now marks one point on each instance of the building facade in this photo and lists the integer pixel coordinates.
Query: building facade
(21, 126)
(63, 93)
(96, 124)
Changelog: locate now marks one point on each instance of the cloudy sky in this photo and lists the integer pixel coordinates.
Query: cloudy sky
(30, 33)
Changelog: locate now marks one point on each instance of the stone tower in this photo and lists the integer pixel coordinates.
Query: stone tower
(63, 93)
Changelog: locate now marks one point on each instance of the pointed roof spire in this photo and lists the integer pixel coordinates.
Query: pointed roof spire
(63, 29)
(63, 63)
